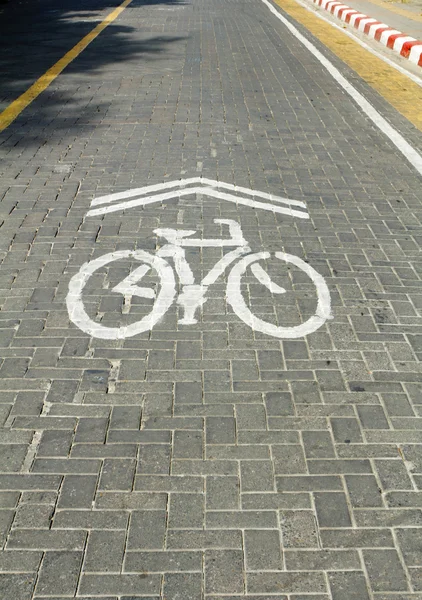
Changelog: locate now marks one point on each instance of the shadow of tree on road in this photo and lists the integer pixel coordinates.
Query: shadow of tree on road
(35, 34)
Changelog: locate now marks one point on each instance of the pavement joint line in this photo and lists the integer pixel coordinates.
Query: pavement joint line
(9, 114)
(407, 46)
(395, 137)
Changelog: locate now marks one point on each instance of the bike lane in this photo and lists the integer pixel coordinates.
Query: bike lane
(212, 458)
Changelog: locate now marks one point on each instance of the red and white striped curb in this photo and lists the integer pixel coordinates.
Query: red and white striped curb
(404, 44)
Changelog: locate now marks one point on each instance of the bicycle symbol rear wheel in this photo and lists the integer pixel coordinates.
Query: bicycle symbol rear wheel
(241, 309)
(162, 302)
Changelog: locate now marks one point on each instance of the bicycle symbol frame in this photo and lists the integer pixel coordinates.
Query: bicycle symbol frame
(193, 295)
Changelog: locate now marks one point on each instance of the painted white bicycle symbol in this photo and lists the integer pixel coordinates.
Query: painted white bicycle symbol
(193, 296)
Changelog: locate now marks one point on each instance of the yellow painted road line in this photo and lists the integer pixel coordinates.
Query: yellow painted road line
(17, 106)
(400, 91)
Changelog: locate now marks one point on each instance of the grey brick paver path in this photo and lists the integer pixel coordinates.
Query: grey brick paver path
(209, 461)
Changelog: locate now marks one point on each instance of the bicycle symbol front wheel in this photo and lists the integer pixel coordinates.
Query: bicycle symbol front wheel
(162, 300)
(241, 309)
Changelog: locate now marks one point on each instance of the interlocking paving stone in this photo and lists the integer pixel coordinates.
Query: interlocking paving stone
(210, 461)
